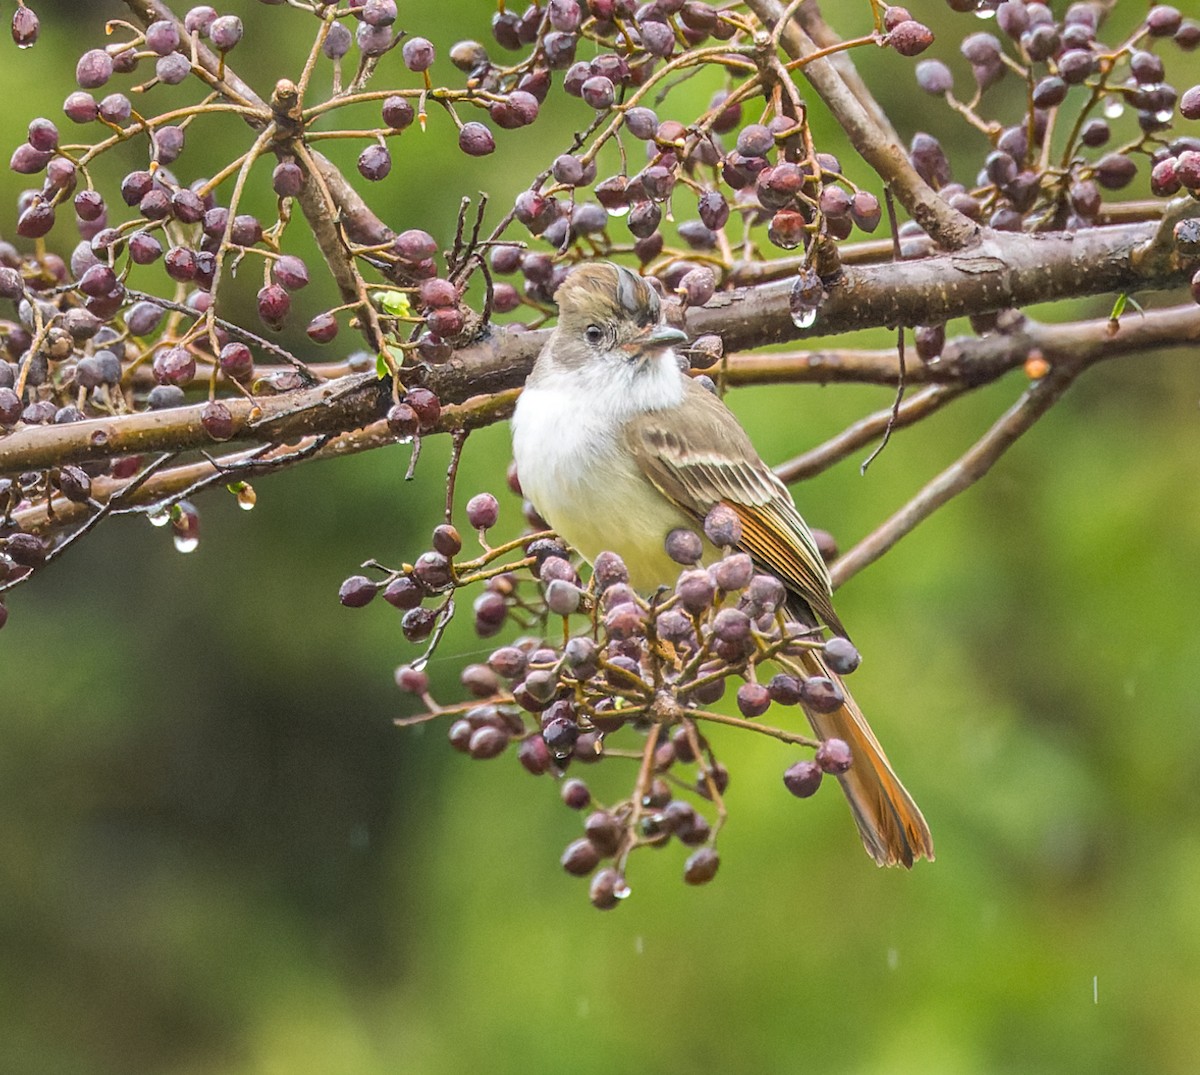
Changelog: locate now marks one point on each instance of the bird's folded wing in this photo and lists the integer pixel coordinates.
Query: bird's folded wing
(703, 457)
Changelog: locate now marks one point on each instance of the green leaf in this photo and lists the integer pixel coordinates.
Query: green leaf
(394, 303)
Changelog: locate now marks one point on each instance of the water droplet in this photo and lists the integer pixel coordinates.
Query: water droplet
(247, 498)
(621, 890)
(808, 292)
(160, 516)
(186, 543)
(985, 10)
(1165, 116)
(1113, 107)
(619, 211)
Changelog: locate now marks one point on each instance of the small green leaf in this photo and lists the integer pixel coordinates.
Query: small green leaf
(394, 303)
(381, 367)
(1123, 300)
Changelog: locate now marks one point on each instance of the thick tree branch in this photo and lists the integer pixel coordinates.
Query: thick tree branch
(809, 16)
(1006, 270)
(249, 463)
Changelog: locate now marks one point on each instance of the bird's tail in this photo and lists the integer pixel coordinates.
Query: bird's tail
(889, 822)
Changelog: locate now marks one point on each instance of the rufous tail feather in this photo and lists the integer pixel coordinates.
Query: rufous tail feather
(889, 822)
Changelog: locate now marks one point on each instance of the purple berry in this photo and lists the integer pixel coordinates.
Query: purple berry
(95, 67)
(476, 140)
(418, 54)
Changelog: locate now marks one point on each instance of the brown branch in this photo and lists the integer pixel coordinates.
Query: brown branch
(1005, 271)
(809, 16)
(360, 223)
(748, 273)
(250, 463)
(221, 76)
(343, 404)
(961, 474)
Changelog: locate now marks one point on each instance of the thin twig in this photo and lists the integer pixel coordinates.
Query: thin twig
(900, 381)
(865, 430)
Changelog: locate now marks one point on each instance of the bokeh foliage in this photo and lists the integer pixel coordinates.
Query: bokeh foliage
(218, 855)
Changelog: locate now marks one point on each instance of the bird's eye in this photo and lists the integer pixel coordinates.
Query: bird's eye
(593, 334)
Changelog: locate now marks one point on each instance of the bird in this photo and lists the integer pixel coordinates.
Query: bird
(616, 446)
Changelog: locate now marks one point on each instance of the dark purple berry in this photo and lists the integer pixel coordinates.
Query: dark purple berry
(95, 67)
(25, 27)
(803, 778)
(418, 54)
(417, 623)
(598, 92)
(226, 31)
(273, 305)
(701, 866)
(236, 361)
(580, 857)
(486, 741)
(910, 38)
(684, 546)
(607, 890)
(753, 699)
(374, 163)
(833, 756)
(426, 406)
(934, 77)
(217, 420)
(576, 795)
(80, 107)
(821, 694)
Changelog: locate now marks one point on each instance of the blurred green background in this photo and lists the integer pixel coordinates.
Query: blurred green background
(217, 853)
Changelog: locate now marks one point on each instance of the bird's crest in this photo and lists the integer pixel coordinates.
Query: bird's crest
(607, 291)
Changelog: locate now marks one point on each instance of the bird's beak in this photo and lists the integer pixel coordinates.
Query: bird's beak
(655, 338)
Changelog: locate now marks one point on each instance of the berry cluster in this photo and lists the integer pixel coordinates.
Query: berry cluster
(1077, 81)
(1032, 180)
(598, 666)
(766, 174)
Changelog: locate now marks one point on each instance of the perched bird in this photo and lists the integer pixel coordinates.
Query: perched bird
(616, 447)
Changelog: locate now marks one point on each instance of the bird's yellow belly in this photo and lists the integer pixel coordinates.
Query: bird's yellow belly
(630, 518)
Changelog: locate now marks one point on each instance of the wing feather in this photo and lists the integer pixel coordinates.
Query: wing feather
(709, 460)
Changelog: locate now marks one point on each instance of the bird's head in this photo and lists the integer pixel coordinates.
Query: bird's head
(606, 313)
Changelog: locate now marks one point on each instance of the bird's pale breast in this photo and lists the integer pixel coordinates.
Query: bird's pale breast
(589, 487)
